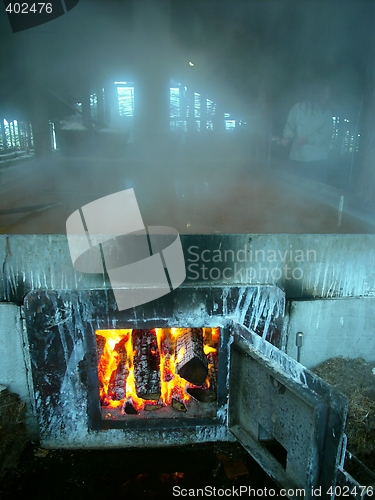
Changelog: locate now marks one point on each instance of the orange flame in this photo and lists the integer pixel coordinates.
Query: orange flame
(172, 385)
(109, 360)
(207, 349)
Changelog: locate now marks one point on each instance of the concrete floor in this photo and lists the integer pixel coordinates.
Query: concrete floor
(193, 196)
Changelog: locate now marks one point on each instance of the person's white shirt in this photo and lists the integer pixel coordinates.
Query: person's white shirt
(310, 129)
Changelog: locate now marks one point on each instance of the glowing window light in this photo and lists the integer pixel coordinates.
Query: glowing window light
(197, 105)
(125, 99)
(180, 125)
(16, 134)
(174, 102)
(94, 105)
(230, 124)
(8, 134)
(211, 106)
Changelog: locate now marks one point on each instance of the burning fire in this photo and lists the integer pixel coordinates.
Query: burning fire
(120, 350)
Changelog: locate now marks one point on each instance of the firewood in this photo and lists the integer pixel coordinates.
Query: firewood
(177, 405)
(207, 394)
(117, 383)
(212, 370)
(129, 409)
(146, 364)
(202, 395)
(149, 407)
(193, 363)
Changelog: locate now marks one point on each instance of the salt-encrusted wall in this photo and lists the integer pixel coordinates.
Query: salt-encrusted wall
(14, 373)
(304, 266)
(332, 328)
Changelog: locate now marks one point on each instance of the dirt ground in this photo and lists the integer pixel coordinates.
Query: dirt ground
(159, 472)
(356, 379)
(130, 474)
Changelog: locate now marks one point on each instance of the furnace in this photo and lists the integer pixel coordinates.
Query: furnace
(200, 364)
(162, 365)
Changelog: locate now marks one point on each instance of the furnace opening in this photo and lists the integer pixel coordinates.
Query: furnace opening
(157, 373)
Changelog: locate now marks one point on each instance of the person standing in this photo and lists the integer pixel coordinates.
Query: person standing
(309, 128)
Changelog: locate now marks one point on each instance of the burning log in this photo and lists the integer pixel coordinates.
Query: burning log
(146, 364)
(212, 370)
(191, 362)
(150, 407)
(129, 409)
(117, 383)
(177, 405)
(207, 394)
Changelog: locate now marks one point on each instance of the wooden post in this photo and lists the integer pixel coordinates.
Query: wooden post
(203, 117)
(110, 103)
(218, 119)
(100, 105)
(86, 110)
(190, 122)
(40, 123)
(151, 33)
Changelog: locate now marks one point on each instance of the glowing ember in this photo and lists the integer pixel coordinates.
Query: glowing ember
(154, 376)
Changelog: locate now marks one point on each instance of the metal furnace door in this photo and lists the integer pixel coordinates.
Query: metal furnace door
(288, 419)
